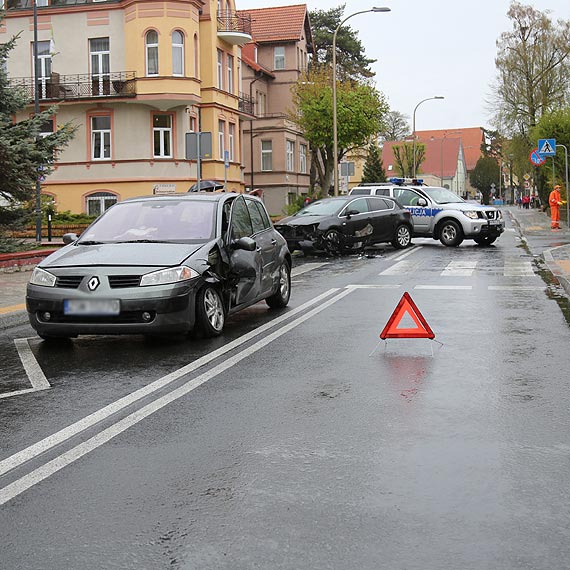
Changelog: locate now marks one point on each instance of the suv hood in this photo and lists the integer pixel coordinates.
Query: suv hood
(465, 206)
(133, 254)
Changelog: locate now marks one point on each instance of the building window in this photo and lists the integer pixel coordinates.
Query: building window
(290, 156)
(100, 56)
(220, 69)
(196, 57)
(162, 135)
(177, 53)
(44, 63)
(279, 57)
(222, 138)
(101, 137)
(231, 141)
(266, 155)
(47, 128)
(303, 158)
(152, 53)
(98, 202)
(260, 103)
(230, 73)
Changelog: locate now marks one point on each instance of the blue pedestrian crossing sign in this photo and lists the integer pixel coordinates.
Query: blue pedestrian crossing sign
(547, 147)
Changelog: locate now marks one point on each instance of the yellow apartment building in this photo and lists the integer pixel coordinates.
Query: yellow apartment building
(135, 77)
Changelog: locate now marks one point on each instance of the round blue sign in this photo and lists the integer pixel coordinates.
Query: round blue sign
(536, 158)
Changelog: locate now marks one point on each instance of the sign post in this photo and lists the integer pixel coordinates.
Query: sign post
(567, 196)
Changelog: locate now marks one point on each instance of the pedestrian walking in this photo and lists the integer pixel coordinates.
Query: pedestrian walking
(555, 202)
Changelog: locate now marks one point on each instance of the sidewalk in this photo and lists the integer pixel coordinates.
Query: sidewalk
(533, 225)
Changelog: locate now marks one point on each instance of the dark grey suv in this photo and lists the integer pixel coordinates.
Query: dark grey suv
(162, 264)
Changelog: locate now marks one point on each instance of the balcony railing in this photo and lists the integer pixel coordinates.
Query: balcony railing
(29, 4)
(72, 87)
(245, 103)
(234, 28)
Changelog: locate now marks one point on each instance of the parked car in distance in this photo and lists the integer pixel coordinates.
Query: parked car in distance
(347, 223)
(162, 264)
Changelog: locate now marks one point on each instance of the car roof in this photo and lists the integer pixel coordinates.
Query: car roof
(190, 197)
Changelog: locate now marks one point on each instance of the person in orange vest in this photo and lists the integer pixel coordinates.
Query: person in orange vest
(555, 202)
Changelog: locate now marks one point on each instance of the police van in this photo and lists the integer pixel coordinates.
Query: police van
(439, 213)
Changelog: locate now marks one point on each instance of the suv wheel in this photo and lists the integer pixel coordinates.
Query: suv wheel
(450, 233)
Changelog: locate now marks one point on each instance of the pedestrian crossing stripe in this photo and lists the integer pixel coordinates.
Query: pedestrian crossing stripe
(406, 306)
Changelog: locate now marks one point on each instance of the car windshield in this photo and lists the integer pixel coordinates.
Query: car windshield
(154, 221)
(442, 195)
(326, 207)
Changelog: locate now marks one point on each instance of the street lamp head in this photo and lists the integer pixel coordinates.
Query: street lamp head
(381, 9)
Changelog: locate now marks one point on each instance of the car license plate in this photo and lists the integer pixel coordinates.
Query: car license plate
(91, 307)
(495, 222)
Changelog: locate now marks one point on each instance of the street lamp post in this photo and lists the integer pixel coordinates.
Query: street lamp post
(567, 190)
(414, 128)
(36, 112)
(335, 131)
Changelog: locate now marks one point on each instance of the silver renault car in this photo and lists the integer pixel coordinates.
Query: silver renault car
(162, 264)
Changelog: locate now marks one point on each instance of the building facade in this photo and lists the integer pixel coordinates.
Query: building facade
(134, 77)
(276, 155)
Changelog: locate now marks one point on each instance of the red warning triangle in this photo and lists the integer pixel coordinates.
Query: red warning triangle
(406, 307)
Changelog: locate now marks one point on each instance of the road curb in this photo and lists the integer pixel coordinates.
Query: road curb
(555, 269)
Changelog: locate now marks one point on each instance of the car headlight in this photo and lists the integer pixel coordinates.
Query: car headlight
(42, 277)
(470, 214)
(166, 276)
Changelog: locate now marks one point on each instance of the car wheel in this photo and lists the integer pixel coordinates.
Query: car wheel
(210, 314)
(280, 298)
(403, 237)
(485, 240)
(332, 241)
(450, 233)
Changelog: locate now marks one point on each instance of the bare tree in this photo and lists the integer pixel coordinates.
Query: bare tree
(533, 68)
(397, 127)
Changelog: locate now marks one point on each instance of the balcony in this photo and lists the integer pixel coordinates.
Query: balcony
(29, 4)
(58, 87)
(245, 103)
(234, 28)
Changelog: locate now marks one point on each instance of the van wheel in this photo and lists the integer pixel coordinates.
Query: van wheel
(210, 314)
(403, 237)
(450, 233)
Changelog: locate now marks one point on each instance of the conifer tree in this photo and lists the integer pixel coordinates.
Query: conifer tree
(24, 154)
(373, 169)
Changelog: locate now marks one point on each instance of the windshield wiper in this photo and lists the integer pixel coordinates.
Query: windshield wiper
(143, 241)
(88, 242)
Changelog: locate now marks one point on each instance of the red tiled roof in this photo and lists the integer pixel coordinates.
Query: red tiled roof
(278, 24)
(248, 58)
(471, 138)
(440, 157)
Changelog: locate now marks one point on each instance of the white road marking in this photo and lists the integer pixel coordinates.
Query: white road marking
(33, 370)
(23, 483)
(518, 269)
(517, 288)
(401, 268)
(400, 256)
(459, 268)
(66, 433)
(387, 286)
(296, 271)
(445, 287)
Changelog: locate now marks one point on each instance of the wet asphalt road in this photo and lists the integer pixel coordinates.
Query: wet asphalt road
(316, 447)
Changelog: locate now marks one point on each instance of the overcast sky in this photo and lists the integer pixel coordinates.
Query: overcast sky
(431, 47)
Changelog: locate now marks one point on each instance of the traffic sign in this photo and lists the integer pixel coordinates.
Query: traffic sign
(536, 158)
(547, 147)
(406, 307)
(526, 176)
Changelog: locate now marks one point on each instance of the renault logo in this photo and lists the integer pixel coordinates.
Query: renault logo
(93, 283)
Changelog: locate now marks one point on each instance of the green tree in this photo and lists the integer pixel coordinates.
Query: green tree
(350, 58)
(23, 153)
(373, 169)
(484, 175)
(554, 125)
(404, 158)
(360, 111)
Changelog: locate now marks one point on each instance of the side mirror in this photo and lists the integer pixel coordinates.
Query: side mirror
(245, 243)
(422, 202)
(69, 238)
(349, 213)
